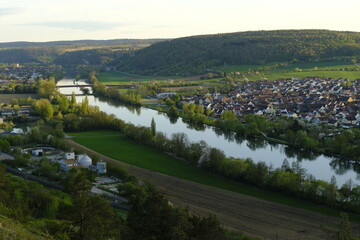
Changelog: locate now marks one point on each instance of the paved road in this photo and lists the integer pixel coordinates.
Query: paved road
(255, 217)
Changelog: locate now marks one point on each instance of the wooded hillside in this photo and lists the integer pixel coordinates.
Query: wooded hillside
(197, 54)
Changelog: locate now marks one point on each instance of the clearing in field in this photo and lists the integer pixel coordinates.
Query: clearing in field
(119, 147)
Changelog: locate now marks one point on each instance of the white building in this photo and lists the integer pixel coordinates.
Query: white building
(101, 167)
(67, 164)
(84, 160)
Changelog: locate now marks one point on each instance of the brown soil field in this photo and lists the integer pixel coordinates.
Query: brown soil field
(6, 98)
(252, 216)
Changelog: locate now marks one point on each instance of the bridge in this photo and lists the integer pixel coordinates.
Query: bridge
(67, 86)
(107, 85)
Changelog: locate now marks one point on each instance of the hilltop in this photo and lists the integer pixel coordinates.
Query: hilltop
(198, 54)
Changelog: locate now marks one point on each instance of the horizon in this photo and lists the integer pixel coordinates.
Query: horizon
(118, 39)
(47, 21)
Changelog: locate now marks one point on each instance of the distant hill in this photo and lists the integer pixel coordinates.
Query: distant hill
(78, 43)
(69, 52)
(197, 54)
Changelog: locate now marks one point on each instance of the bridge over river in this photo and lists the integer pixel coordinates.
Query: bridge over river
(90, 85)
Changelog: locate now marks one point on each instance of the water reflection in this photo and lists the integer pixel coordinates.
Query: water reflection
(173, 120)
(255, 143)
(194, 126)
(233, 145)
(342, 166)
(299, 154)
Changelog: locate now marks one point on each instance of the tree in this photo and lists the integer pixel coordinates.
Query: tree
(47, 88)
(206, 228)
(44, 108)
(73, 100)
(180, 143)
(228, 116)
(85, 106)
(154, 218)
(22, 160)
(63, 103)
(94, 218)
(77, 183)
(342, 231)
(153, 127)
(185, 107)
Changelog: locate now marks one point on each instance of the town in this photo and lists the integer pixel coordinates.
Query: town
(315, 100)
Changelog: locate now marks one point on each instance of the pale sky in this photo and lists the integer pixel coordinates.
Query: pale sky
(50, 20)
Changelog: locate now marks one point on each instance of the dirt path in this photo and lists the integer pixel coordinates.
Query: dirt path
(255, 217)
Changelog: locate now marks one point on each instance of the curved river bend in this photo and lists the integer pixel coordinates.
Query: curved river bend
(320, 166)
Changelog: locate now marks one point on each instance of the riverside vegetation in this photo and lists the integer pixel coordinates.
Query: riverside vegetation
(44, 213)
(62, 112)
(291, 180)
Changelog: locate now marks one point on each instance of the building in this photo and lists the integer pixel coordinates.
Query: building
(165, 95)
(84, 160)
(67, 164)
(101, 167)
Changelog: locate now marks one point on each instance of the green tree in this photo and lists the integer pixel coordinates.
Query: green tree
(153, 127)
(85, 106)
(73, 100)
(44, 108)
(228, 116)
(47, 88)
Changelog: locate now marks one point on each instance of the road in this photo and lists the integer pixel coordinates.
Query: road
(254, 217)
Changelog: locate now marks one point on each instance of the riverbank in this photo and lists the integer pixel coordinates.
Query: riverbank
(254, 216)
(320, 166)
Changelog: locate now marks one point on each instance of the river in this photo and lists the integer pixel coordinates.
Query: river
(320, 166)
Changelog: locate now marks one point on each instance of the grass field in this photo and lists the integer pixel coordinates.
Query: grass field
(6, 98)
(333, 69)
(325, 69)
(120, 148)
(114, 77)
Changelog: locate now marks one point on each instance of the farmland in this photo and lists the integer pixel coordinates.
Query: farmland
(117, 146)
(121, 77)
(254, 216)
(325, 69)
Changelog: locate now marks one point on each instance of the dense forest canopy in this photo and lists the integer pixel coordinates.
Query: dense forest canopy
(197, 54)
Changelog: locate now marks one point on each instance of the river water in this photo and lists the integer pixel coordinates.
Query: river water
(320, 166)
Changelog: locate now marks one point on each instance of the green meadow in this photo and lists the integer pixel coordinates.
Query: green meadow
(325, 69)
(119, 147)
(115, 77)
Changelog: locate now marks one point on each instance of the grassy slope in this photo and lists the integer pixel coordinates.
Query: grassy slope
(122, 149)
(10, 229)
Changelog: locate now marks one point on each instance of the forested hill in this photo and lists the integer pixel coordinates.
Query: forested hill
(193, 55)
(70, 52)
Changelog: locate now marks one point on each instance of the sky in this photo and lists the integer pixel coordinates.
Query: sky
(50, 20)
